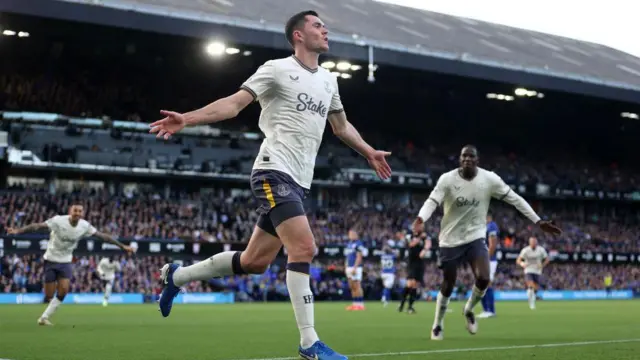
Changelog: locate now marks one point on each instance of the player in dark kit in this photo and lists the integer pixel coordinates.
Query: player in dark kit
(415, 270)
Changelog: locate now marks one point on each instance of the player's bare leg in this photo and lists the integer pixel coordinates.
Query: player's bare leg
(481, 268)
(60, 289)
(255, 259)
(356, 294)
(260, 252)
(450, 273)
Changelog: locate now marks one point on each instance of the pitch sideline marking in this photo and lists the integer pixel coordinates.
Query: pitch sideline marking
(442, 351)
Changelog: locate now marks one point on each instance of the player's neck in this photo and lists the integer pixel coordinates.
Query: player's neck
(468, 176)
(307, 58)
(73, 222)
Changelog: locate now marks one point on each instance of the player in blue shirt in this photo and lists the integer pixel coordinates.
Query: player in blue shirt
(387, 273)
(488, 301)
(355, 252)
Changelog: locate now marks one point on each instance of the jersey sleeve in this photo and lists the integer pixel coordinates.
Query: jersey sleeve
(53, 222)
(101, 265)
(439, 191)
(118, 267)
(523, 252)
(336, 102)
(90, 230)
(261, 81)
(544, 253)
(499, 189)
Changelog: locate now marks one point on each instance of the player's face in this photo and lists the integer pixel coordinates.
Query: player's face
(489, 219)
(468, 159)
(76, 212)
(315, 35)
(533, 242)
(352, 235)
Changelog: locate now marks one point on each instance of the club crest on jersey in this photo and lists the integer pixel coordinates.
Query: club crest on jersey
(294, 78)
(283, 190)
(327, 87)
(306, 102)
(462, 201)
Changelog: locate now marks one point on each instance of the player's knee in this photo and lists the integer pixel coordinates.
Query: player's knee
(303, 251)
(482, 282)
(254, 265)
(446, 288)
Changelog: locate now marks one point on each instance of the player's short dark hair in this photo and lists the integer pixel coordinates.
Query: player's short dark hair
(471, 147)
(296, 22)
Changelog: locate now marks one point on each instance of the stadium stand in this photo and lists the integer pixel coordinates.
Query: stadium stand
(417, 30)
(75, 112)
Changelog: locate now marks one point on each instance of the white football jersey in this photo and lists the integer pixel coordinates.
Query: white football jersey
(533, 259)
(466, 204)
(295, 101)
(64, 237)
(107, 269)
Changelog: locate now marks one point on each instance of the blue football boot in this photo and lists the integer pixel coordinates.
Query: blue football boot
(320, 351)
(170, 290)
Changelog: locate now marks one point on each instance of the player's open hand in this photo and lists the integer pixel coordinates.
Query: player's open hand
(378, 162)
(171, 124)
(549, 227)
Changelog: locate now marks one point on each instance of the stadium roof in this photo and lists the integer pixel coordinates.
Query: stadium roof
(399, 29)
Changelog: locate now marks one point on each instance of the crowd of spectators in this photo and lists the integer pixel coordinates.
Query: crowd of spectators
(227, 216)
(141, 275)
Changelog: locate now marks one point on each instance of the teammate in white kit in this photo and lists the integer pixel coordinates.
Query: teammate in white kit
(533, 259)
(297, 97)
(465, 194)
(107, 269)
(65, 232)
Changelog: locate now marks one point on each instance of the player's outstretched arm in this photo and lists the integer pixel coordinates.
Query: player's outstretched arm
(35, 227)
(503, 192)
(430, 205)
(107, 238)
(346, 132)
(222, 109)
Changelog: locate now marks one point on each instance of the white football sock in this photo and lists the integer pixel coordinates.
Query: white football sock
(441, 310)
(107, 291)
(302, 301)
(532, 297)
(474, 299)
(216, 266)
(51, 308)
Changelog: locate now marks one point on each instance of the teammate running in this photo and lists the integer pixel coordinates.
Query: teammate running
(465, 194)
(533, 259)
(107, 269)
(64, 233)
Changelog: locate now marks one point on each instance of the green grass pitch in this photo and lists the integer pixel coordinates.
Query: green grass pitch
(556, 330)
